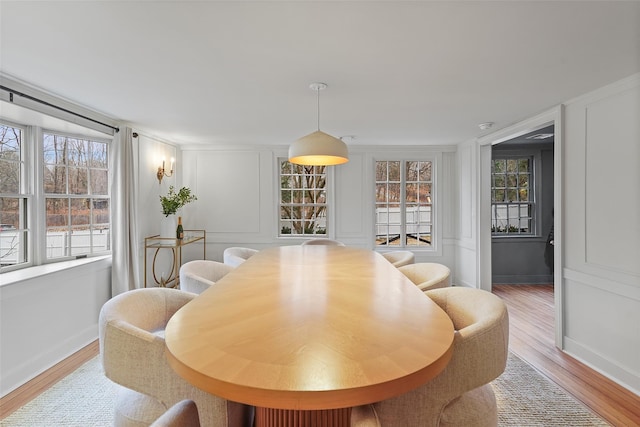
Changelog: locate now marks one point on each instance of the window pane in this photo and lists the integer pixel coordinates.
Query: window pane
(412, 171)
(381, 192)
(99, 182)
(9, 176)
(54, 150)
(425, 171)
(77, 152)
(99, 158)
(523, 165)
(55, 179)
(80, 212)
(381, 171)
(57, 213)
(394, 171)
(412, 192)
(78, 180)
(100, 213)
(394, 193)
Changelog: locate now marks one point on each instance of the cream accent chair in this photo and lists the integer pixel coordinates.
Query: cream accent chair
(400, 258)
(323, 241)
(197, 276)
(427, 275)
(132, 349)
(235, 256)
(182, 414)
(461, 394)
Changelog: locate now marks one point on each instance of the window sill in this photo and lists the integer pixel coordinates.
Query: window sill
(17, 276)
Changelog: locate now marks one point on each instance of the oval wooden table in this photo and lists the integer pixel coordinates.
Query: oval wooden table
(304, 333)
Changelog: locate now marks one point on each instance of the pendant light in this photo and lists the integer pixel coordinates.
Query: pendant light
(318, 148)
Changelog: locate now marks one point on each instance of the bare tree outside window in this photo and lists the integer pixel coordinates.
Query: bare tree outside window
(303, 200)
(76, 195)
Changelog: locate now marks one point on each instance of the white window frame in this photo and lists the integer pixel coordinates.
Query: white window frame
(535, 223)
(33, 189)
(70, 196)
(25, 194)
(436, 232)
(329, 211)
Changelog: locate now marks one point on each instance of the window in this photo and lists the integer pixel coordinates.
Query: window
(54, 196)
(14, 200)
(512, 201)
(76, 190)
(404, 203)
(303, 200)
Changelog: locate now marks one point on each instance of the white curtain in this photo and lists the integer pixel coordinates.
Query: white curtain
(124, 222)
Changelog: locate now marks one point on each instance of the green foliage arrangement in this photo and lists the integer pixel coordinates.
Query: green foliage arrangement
(174, 201)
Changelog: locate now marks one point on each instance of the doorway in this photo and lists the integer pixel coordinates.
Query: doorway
(522, 209)
(485, 258)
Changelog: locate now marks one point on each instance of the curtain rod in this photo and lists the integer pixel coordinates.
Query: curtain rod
(48, 104)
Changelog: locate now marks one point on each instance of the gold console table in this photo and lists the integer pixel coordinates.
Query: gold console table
(156, 242)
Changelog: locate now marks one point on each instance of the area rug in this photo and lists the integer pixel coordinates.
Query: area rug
(86, 398)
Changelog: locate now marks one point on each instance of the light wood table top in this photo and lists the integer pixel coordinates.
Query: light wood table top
(310, 328)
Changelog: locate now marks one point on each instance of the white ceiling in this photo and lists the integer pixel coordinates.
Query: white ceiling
(399, 72)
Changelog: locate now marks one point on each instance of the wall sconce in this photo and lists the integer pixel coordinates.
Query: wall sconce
(162, 173)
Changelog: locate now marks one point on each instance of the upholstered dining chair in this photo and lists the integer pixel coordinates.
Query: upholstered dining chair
(400, 258)
(197, 276)
(461, 394)
(323, 241)
(182, 414)
(427, 275)
(132, 349)
(236, 255)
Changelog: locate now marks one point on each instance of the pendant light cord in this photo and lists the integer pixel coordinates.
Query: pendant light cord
(318, 100)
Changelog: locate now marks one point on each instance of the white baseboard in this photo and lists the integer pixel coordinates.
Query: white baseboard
(603, 365)
(31, 368)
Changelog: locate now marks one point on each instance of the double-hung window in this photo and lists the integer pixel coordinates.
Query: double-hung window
(303, 200)
(76, 190)
(404, 203)
(54, 196)
(14, 197)
(512, 196)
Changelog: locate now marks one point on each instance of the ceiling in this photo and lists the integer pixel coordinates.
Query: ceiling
(398, 72)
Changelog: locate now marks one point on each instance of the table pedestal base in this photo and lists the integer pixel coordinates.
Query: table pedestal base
(268, 417)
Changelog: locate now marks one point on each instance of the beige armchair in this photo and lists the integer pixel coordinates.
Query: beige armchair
(182, 414)
(235, 256)
(132, 349)
(461, 394)
(323, 241)
(197, 276)
(400, 258)
(427, 275)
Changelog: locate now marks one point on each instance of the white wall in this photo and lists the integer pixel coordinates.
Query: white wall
(467, 239)
(237, 195)
(597, 227)
(601, 275)
(46, 318)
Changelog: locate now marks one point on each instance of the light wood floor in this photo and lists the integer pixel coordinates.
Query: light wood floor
(531, 318)
(531, 325)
